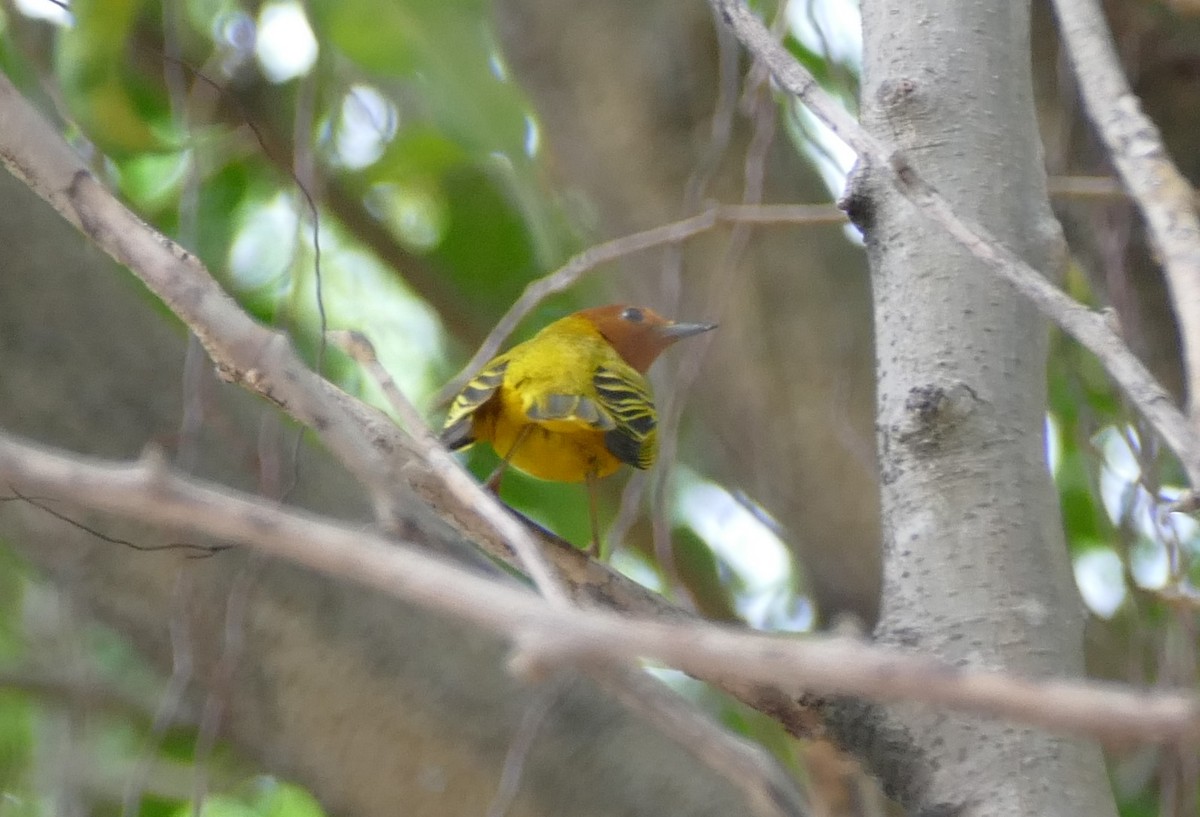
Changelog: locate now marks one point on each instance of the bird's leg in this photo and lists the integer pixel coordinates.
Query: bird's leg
(493, 481)
(593, 549)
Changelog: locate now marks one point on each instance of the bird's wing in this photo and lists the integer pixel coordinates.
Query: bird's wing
(623, 396)
(457, 431)
(569, 410)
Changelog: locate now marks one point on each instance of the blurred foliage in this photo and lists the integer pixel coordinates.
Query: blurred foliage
(116, 105)
(1135, 562)
(437, 217)
(16, 737)
(434, 213)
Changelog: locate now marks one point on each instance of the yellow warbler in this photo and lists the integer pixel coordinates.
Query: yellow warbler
(571, 404)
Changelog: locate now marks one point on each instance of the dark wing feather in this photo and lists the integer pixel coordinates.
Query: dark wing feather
(624, 396)
(457, 430)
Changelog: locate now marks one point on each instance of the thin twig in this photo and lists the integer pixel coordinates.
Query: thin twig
(767, 788)
(468, 491)
(566, 276)
(1103, 188)
(1086, 326)
(149, 492)
(695, 189)
(304, 171)
(215, 703)
(168, 709)
(58, 686)
(194, 551)
(195, 375)
(544, 699)
(760, 106)
(1162, 194)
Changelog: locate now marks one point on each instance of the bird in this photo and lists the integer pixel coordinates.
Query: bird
(572, 403)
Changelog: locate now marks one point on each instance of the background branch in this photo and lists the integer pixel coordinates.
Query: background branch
(1165, 198)
(1083, 324)
(366, 441)
(667, 234)
(432, 481)
(551, 634)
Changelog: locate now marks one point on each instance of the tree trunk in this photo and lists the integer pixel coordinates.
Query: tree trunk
(975, 566)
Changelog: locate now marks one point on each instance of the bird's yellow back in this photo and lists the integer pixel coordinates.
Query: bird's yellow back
(562, 406)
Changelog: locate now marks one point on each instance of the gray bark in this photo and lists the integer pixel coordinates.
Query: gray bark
(975, 566)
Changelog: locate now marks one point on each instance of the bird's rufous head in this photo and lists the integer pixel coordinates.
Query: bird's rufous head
(638, 333)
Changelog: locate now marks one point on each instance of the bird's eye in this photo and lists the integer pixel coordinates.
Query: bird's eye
(633, 315)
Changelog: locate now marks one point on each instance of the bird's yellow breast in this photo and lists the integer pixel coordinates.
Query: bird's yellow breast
(548, 450)
(556, 363)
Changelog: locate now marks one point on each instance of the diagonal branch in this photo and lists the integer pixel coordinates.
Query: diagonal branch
(458, 481)
(1163, 195)
(383, 458)
(1086, 326)
(365, 441)
(550, 634)
(565, 276)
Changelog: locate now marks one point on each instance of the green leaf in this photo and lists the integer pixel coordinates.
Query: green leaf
(416, 152)
(279, 799)
(439, 61)
(222, 195)
(119, 111)
(559, 506)
(16, 736)
(486, 247)
(698, 570)
(443, 47)
(218, 805)
(152, 181)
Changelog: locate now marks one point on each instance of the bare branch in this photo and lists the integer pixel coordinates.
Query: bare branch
(243, 350)
(520, 747)
(768, 789)
(565, 276)
(825, 665)
(458, 481)
(1086, 326)
(170, 706)
(1102, 188)
(1164, 197)
(367, 442)
(364, 440)
(61, 687)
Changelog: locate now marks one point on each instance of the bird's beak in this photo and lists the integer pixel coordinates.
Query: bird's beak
(677, 331)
